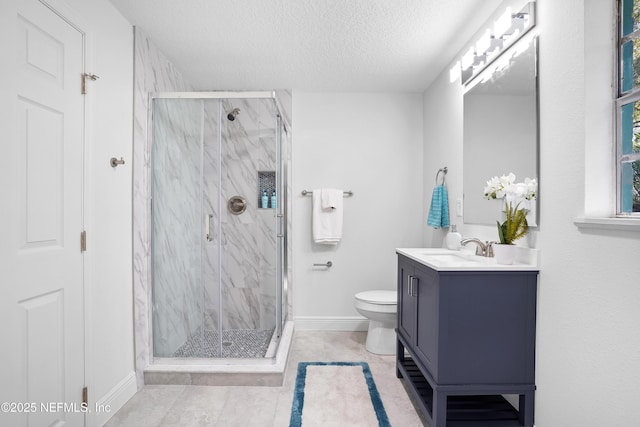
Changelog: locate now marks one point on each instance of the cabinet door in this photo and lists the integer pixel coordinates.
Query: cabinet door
(426, 334)
(406, 302)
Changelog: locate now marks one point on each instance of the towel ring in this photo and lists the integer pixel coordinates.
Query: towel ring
(444, 171)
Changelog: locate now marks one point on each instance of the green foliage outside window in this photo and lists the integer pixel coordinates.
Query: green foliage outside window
(630, 113)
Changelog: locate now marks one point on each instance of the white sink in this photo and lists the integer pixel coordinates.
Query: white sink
(451, 257)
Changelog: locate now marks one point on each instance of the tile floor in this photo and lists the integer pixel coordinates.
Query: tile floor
(235, 343)
(164, 405)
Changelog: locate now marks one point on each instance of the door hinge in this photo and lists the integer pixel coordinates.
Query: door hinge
(83, 241)
(85, 396)
(86, 76)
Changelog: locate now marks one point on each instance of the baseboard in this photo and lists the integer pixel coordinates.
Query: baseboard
(330, 323)
(115, 399)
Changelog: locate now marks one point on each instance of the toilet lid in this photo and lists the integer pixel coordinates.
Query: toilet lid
(378, 297)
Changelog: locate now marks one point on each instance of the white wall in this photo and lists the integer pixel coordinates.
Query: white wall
(588, 346)
(442, 104)
(108, 283)
(370, 143)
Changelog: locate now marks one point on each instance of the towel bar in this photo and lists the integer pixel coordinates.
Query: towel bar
(308, 193)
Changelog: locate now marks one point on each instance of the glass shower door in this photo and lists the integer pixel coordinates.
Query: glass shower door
(217, 227)
(176, 228)
(249, 242)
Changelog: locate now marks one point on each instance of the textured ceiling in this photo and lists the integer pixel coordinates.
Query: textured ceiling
(314, 45)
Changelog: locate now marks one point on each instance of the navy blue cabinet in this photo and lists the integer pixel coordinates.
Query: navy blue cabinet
(407, 302)
(417, 288)
(465, 339)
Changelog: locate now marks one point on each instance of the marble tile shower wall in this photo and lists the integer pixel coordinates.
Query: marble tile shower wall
(243, 249)
(248, 145)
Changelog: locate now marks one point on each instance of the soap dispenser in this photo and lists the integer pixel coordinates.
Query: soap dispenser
(453, 239)
(273, 199)
(265, 200)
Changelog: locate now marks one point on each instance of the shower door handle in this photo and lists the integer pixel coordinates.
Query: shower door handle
(207, 227)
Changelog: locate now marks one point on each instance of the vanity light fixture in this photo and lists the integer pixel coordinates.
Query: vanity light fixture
(501, 64)
(507, 28)
(483, 44)
(467, 59)
(502, 24)
(454, 72)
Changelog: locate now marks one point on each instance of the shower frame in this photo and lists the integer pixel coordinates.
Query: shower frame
(282, 293)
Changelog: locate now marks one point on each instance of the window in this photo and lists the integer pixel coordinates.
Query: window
(628, 109)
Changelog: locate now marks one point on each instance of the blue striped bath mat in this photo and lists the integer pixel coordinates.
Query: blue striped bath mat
(336, 394)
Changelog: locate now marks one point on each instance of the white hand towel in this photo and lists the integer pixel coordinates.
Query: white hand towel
(327, 222)
(330, 197)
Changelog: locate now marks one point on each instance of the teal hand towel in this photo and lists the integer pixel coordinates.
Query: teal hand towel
(439, 211)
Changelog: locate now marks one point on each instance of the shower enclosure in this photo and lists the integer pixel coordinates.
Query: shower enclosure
(218, 225)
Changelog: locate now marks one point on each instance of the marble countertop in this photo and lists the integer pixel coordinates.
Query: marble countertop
(441, 259)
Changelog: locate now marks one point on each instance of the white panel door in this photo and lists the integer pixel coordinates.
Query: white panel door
(41, 179)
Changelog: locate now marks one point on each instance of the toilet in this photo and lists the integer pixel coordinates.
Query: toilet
(380, 307)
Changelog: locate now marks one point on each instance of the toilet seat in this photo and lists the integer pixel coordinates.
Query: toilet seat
(378, 297)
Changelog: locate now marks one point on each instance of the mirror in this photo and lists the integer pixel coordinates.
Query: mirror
(501, 130)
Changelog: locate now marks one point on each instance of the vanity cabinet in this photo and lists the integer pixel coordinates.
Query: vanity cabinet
(416, 288)
(408, 275)
(465, 339)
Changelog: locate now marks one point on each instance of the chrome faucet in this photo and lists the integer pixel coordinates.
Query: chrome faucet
(482, 249)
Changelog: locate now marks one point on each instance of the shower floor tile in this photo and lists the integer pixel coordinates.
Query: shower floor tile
(236, 343)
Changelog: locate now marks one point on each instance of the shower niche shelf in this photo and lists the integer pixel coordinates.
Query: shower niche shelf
(266, 182)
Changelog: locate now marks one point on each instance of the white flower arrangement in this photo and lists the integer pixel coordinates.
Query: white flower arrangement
(521, 193)
(505, 187)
